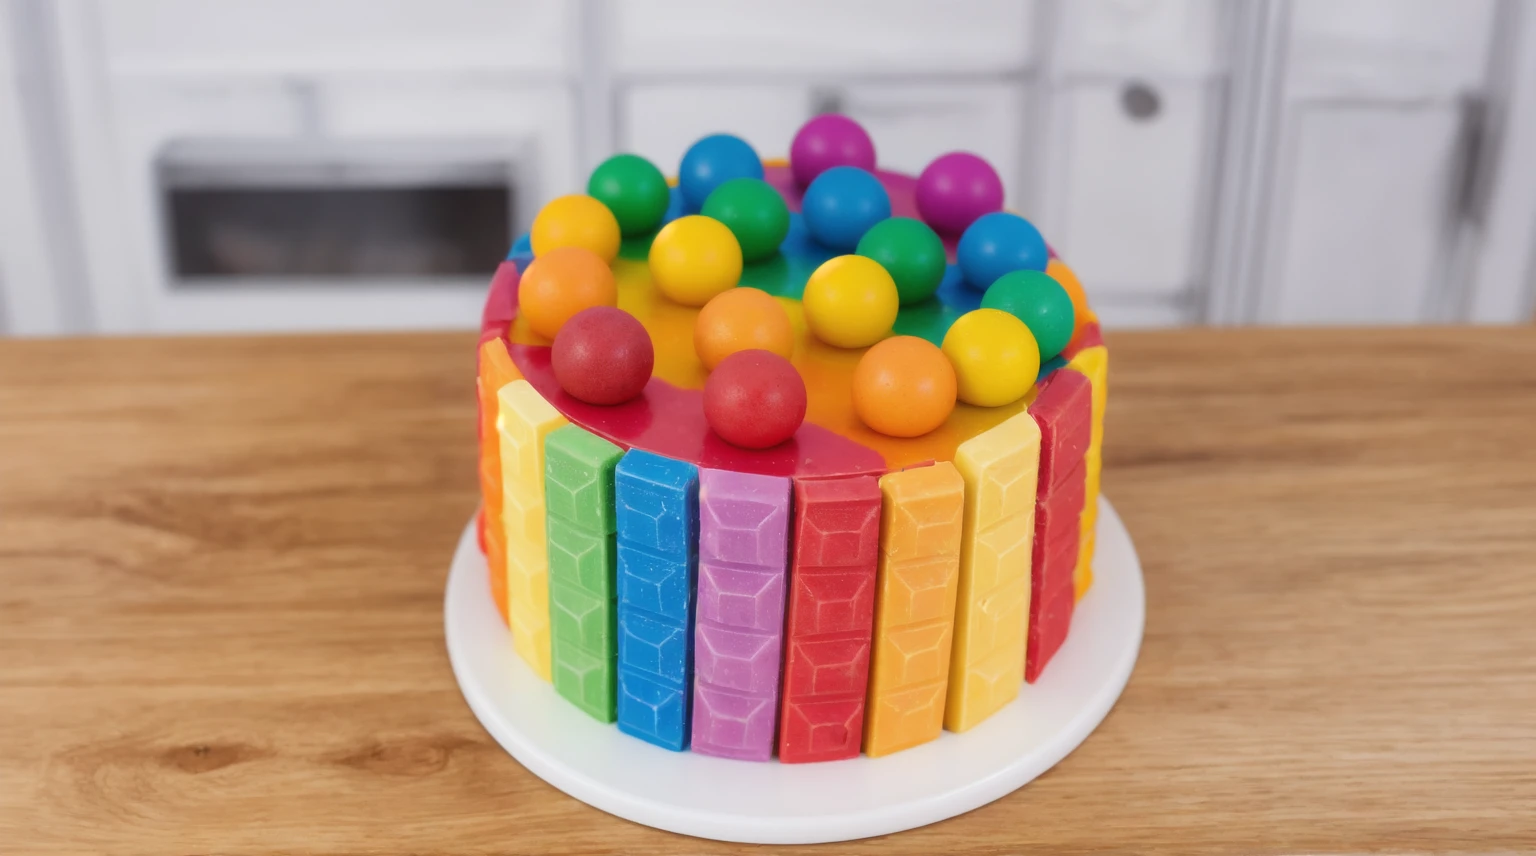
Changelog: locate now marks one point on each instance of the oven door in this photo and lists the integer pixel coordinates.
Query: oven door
(321, 234)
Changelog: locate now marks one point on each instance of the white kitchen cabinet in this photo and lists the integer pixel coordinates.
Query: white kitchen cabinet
(1126, 195)
(1364, 214)
(1179, 39)
(800, 38)
(1359, 214)
(196, 37)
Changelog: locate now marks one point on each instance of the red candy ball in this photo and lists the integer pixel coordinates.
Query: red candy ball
(754, 399)
(602, 356)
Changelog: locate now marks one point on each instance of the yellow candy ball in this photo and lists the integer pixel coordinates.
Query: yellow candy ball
(576, 221)
(695, 258)
(995, 357)
(850, 302)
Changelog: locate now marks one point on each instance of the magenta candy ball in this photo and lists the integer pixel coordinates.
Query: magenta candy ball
(826, 141)
(956, 189)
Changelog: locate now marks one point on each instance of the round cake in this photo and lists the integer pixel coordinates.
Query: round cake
(788, 460)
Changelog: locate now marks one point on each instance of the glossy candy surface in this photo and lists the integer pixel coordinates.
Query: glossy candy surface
(695, 258)
(850, 302)
(711, 162)
(910, 252)
(754, 212)
(995, 357)
(633, 189)
(992, 605)
(561, 283)
(602, 356)
(575, 221)
(1064, 412)
(842, 204)
(1040, 302)
(739, 621)
(999, 243)
(656, 503)
(828, 633)
(827, 141)
(904, 387)
(956, 188)
(578, 493)
(742, 319)
(754, 399)
(920, 523)
(525, 420)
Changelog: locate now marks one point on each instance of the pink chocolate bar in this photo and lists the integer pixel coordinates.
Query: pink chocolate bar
(739, 624)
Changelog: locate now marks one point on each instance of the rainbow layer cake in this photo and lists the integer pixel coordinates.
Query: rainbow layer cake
(788, 459)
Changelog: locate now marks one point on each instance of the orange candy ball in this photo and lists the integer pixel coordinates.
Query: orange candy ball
(1057, 269)
(561, 283)
(741, 319)
(904, 387)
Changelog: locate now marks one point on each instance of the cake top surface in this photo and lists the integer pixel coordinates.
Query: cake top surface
(668, 418)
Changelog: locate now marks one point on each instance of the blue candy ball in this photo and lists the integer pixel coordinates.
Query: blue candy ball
(713, 161)
(999, 243)
(842, 204)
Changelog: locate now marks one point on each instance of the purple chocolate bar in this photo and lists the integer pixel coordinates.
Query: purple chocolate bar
(739, 623)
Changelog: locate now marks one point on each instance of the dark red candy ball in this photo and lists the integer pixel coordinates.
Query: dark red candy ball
(602, 356)
(754, 399)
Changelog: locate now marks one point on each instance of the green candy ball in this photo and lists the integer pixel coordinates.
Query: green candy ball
(633, 189)
(754, 212)
(1040, 302)
(911, 252)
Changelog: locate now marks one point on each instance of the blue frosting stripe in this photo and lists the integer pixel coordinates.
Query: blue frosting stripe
(656, 501)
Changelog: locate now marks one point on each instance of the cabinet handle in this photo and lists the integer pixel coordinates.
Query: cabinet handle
(828, 99)
(1140, 101)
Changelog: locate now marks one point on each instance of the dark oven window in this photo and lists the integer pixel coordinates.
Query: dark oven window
(224, 233)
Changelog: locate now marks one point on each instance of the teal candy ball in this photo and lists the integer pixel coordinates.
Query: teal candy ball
(634, 190)
(1040, 302)
(911, 252)
(754, 212)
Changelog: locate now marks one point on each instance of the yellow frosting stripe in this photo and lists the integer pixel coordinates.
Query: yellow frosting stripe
(1000, 468)
(1093, 363)
(920, 519)
(524, 419)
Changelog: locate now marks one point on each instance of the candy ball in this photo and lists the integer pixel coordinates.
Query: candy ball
(995, 357)
(999, 243)
(602, 356)
(904, 387)
(956, 189)
(850, 302)
(633, 189)
(754, 399)
(695, 258)
(842, 204)
(754, 212)
(911, 252)
(826, 141)
(575, 221)
(561, 283)
(1057, 269)
(1040, 302)
(713, 161)
(742, 319)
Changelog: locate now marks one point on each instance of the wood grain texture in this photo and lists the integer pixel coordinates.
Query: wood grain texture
(222, 566)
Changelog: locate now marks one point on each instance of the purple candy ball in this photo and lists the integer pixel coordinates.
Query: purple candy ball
(956, 189)
(826, 141)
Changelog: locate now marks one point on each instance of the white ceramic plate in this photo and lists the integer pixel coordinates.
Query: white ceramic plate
(773, 803)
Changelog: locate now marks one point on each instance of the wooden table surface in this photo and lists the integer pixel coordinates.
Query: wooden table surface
(222, 567)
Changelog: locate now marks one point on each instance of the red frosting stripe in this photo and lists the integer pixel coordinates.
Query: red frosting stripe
(668, 420)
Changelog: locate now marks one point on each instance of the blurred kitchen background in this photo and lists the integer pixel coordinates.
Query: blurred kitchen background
(172, 166)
